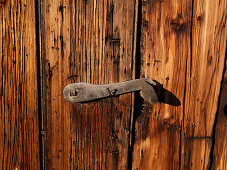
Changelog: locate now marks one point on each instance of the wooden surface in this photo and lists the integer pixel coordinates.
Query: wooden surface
(220, 147)
(165, 48)
(46, 45)
(183, 48)
(19, 142)
(87, 41)
(204, 75)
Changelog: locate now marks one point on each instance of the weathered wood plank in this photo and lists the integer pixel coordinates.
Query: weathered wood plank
(165, 47)
(220, 147)
(19, 141)
(204, 75)
(182, 47)
(87, 41)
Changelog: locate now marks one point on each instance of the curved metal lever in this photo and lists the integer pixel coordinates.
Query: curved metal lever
(84, 92)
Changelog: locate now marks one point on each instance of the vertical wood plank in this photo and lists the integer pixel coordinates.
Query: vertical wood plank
(220, 145)
(204, 75)
(182, 47)
(165, 47)
(19, 132)
(87, 41)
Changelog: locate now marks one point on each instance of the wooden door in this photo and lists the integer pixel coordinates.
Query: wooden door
(46, 45)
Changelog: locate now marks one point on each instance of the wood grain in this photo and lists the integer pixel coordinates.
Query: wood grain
(182, 47)
(220, 147)
(87, 41)
(181, 44)
(165, 47)
(19, 142)
(204, 75)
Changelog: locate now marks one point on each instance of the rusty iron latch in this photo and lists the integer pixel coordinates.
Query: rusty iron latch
(85, 92)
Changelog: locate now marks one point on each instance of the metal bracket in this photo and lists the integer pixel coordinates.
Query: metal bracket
(85, 92)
